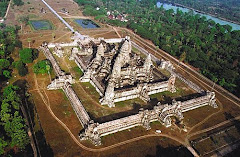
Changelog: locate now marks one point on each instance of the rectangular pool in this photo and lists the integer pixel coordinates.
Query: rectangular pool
(86, 23)
(41, 25)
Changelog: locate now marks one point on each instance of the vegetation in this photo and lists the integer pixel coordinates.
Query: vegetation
(3, 7)
(229, 9)
(11, 121)
(23, 19)
(13, 135)
(42, 67)
(13, 128)
(210, 47)
(27, 55)
(18, 2)
(21, 67)
(8, 42)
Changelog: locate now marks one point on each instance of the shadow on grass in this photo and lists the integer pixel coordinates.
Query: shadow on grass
(115, 116)
(43, 148)
(171, 152)
(153, 102)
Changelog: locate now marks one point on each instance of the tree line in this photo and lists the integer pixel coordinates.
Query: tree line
(210, 47)
(13, 135)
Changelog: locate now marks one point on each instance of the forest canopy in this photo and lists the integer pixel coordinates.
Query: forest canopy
(13, 135)
(3, 7)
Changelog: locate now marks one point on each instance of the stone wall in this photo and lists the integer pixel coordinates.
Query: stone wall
(63, 82)
(208, 99)
(133, 92)
(72, 44)
(94, 131)
(161, 113)
(97, 86)
(59, 82)
(79, 62)
(76, 104)
(170, 68)
(50, 57)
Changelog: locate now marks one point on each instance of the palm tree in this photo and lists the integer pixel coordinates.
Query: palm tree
(29, 42)
(48, 69)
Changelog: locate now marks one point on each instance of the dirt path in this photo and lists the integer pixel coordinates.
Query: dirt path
(207, 118)
(214, 127)
(9, 4)
(117, 32)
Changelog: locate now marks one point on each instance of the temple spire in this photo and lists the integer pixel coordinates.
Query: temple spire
(100, 51)
(148, 63)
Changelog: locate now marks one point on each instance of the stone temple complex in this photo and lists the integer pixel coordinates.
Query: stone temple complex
(118, 74)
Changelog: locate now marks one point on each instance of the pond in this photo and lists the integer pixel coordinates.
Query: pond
(41, 25)
(86, 23)
(215, 19)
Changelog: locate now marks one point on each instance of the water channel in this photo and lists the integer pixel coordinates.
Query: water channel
(215, 19)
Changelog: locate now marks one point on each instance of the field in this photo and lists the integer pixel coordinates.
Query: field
(53, 105)
(223, 137)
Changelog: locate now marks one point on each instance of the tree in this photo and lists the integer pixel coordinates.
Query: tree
(182, 57)
(9, 89)
(22, 69)
(4, 63)
(29, 42)
(16, 130)
(3, 144)
(5, 112)
(42, 67)
(26, 55)
(14, 127)
(4, 68)
(18, 2)
(7, 74)
(23, 19)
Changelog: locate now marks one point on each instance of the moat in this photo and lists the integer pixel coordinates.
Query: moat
(215, 19)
